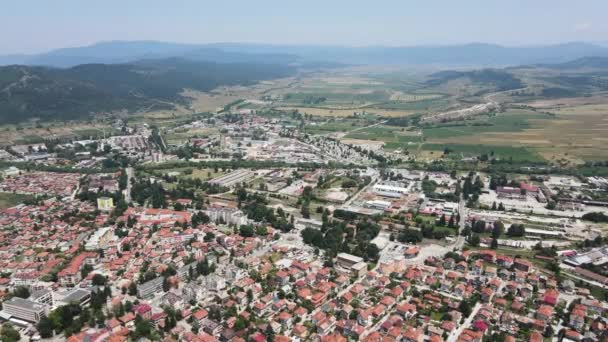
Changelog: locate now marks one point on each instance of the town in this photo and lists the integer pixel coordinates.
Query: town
(262, 231)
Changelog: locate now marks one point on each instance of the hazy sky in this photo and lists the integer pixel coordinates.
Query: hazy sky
(38, 25)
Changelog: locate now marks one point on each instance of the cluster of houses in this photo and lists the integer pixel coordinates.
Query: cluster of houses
(40, 182)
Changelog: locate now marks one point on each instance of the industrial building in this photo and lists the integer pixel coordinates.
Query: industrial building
(390, 189)
(233, 178)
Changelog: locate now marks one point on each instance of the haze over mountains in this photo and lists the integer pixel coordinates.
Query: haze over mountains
(474, 54)
(74, 83)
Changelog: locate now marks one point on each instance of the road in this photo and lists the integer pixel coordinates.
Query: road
(353, 197)
(462, 210)
(454, 335)
(127, 191)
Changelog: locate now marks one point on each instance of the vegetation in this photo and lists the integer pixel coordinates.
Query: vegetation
(82, 90)
(596, 217)
(335, 237)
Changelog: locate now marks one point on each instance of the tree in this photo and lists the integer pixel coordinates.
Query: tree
(305, 211)
(209, 236)
(442, 220)
(21, 292)
(516, 230)
(479, 226)
(261, 230)
(9, 334)
(498, 229)
(410, 235)
(143, 328)
(240, 323)
(166, 284)
(494, 243)
(474, 240)
(132, 289)
(45, 327)
(246, 230)
(98, 280)
(465, 308)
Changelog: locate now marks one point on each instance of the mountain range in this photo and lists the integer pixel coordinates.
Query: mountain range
(474, 54)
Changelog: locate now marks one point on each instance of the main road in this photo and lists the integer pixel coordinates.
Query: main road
(127, 191)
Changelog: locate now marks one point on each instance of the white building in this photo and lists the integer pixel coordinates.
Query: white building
(390, 189)
(99, 239)
(25, 309)
(378, 204)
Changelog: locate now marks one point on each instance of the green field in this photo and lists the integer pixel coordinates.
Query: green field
(394, 137)
(504, 122)
(335, 126)
(8, 200)
(423, 105)
(518, 154)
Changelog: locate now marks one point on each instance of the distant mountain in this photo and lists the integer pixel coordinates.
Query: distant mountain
(473, 55)
(126, 52)
(582, 63)
(51, 93)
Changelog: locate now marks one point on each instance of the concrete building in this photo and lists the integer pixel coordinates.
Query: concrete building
(347, 260)
(105, 203)
(226, 215)
(99, 239)
(25, 309)
(309, 223)
(149, 288)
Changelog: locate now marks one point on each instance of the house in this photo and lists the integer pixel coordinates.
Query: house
(211, 327)
(413, 335)
(544, 312)
(522, 265)
(487, 294)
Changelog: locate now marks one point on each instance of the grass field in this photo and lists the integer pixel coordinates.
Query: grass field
(34, 133)
(335, 126)
(393, 137)
(205, 174)
(8, 200)
(518, 154)
(182, 137)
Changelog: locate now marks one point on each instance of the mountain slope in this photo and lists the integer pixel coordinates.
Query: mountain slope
(48, 93)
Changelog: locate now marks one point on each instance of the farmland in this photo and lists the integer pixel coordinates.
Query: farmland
(8, 200)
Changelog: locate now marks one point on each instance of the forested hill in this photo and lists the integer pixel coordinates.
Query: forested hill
(499, 79)
(28, 92)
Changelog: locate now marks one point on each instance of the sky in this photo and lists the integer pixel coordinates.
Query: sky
(33, 26)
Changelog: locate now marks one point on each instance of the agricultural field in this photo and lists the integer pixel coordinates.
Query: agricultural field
(181, 137)
(205, 174)
(393, 137)
(38, 132)
(8, 200)
(352, 90)
(335, 126)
